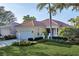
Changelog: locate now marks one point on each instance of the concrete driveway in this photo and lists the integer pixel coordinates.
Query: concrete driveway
(7, 42)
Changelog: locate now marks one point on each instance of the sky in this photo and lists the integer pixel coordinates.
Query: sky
(23, 9)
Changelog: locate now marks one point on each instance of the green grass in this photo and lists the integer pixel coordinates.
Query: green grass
(47, 48)
(2, 39)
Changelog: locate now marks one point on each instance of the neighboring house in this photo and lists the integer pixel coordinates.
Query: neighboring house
(32, 29)
(8, 29)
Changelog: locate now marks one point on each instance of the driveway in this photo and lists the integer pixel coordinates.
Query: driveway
(7, 42)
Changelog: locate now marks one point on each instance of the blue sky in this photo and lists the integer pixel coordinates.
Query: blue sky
(22, 9)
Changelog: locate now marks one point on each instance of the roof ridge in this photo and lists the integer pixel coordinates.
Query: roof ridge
(52, 21)
(57, 22)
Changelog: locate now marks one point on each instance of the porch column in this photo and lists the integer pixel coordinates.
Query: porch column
(55, 32)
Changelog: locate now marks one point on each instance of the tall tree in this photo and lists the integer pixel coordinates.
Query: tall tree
(28, 17)
(6, 16)
(40, 6)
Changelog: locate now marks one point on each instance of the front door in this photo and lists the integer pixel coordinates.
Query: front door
(48, 30)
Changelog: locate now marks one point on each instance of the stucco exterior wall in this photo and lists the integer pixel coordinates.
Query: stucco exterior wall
(5, 31)
(38, 31)
(33, 31)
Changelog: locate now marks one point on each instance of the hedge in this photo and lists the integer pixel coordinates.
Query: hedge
(10, 37)
(35, 39)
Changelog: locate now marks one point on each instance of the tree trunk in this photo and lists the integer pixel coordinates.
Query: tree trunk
(50, 20)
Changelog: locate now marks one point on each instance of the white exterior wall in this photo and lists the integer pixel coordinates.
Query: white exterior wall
(5, 31)
(24, 33)
(36, 31)
(30, 32)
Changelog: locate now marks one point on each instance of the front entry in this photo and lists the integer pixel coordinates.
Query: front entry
(54, 31)
(48, 30)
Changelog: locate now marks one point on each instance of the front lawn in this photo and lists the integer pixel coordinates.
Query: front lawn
(47, 48)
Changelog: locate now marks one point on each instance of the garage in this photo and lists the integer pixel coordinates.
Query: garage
(24, 35)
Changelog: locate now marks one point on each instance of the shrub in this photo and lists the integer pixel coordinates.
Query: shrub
(41, 41)
(6, 37)
(38, 38)
(24, 43)
(10, 37)
(72, 34)
(67, 32)
(30, 39)
(59, 38)
(2, 39)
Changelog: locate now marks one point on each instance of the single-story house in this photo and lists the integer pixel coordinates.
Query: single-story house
(32, 29)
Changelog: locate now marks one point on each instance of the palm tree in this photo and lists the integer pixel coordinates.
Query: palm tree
(50, 19)
(40, 6)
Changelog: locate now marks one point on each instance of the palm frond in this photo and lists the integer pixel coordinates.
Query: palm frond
(40, 6)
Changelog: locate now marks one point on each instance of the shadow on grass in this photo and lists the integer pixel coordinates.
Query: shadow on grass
(61, 44)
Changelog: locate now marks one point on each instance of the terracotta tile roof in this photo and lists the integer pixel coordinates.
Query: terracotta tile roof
(43, 23)
(61, 24)
(54, 22)
(32, 23)
(46, 22)
(38, 23)
(28, 24)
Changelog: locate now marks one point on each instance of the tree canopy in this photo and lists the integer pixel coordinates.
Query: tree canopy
(28, 17)
(71, 32)
(6, 16)
(55, 7)
(41, 6)
(75, 21)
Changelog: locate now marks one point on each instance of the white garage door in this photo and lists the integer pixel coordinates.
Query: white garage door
(24, 35)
